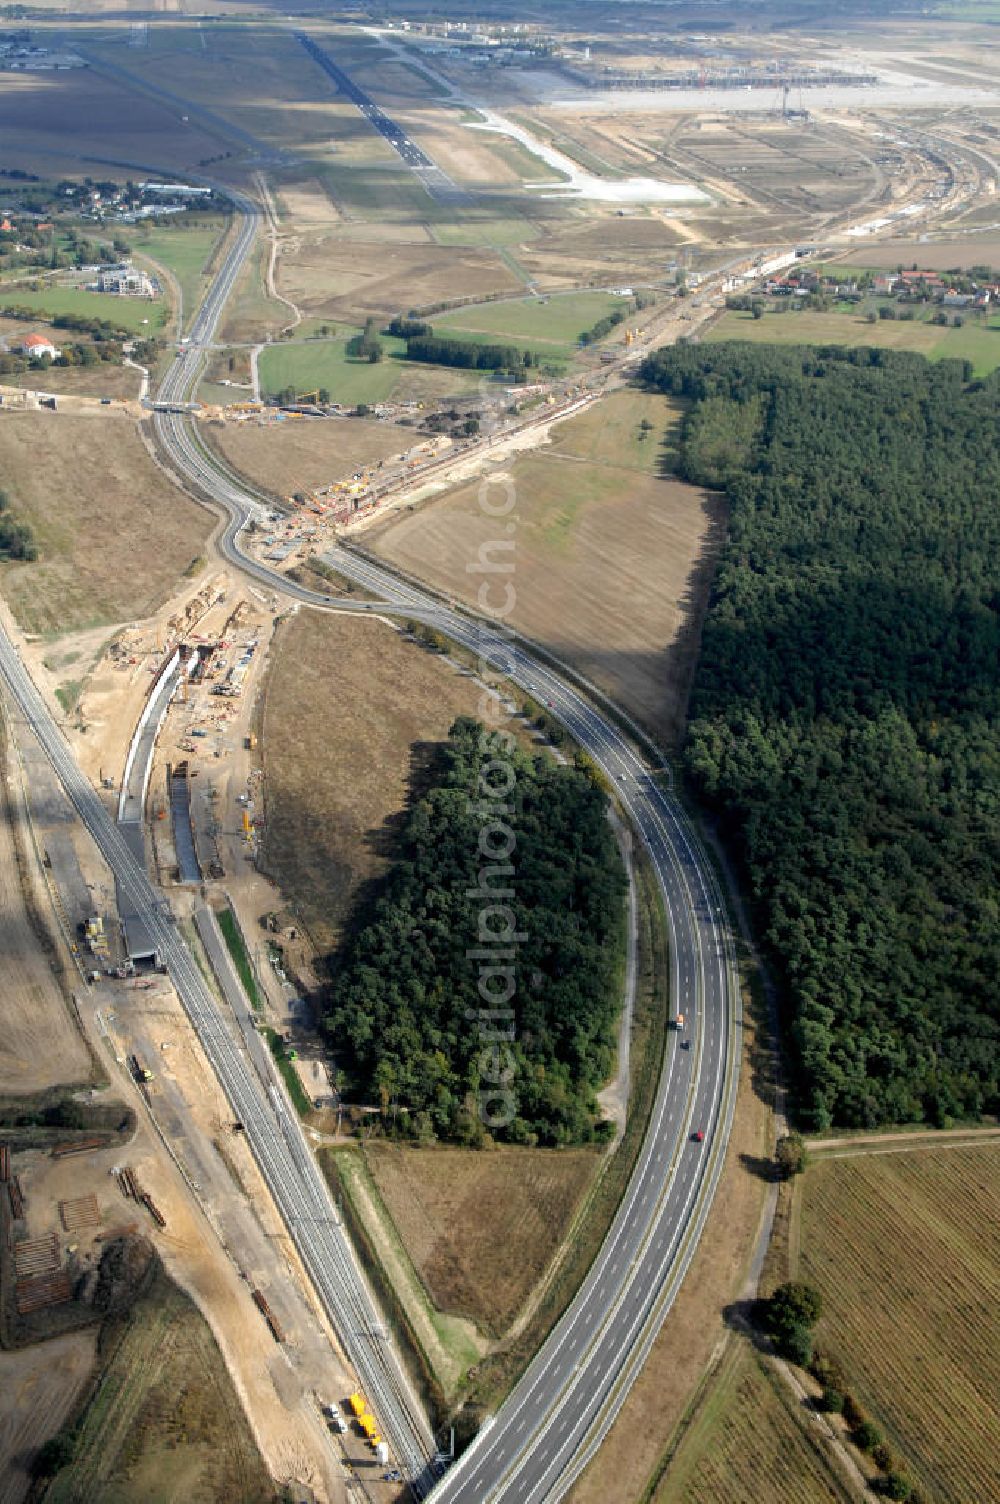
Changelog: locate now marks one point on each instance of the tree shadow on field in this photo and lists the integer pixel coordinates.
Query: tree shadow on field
(384, 840)
(746, 1317)
(758, 1165)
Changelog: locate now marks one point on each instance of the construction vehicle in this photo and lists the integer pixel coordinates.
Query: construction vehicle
(141, 1073)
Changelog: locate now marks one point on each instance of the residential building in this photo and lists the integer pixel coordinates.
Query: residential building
(36, 346)
(126, 280)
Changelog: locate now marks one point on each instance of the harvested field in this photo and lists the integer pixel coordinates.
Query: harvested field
(976, 342)
(912, 1314)
(348, 704)
(164, 1421)
(612, 562)
(104, 380)
(932, 255)
(40, 1385)
(750, 1438)
(350, 279)
(40, 1046)
(93, 498)
(289, 457)
(481, 1228)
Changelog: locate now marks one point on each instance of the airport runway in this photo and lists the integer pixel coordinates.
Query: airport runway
(437, 182)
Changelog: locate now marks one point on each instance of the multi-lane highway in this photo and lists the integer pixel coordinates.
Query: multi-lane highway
(553, 1421)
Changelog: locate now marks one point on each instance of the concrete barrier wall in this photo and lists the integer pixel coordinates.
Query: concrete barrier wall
(156, 705)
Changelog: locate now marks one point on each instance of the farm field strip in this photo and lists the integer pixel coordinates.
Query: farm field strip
(747, 1433)
(977, 343)
(916, 1334)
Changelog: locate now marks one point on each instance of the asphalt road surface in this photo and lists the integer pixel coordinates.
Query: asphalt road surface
(271, 1127)
(437, 182)
(556, 1417)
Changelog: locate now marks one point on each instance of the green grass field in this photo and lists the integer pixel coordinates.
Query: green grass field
(557, 321)
(185, 251)
(135, 315)
(311, 364)
(238, 951)
(325, 363)
(976, 342)
(484, 229)
(290, 1076)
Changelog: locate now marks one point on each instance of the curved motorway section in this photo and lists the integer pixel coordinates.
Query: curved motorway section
(556, 1417)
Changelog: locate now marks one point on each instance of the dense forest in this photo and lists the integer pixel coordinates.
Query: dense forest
(407, 1018)
(443, 350)
(846, 705)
